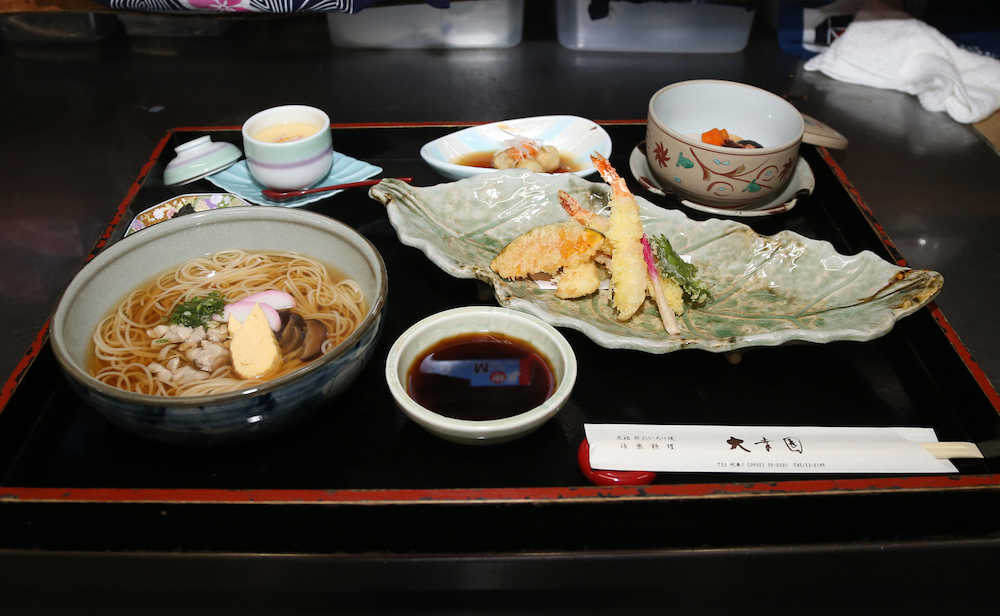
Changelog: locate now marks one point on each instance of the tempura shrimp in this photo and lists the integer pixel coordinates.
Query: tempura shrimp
(666, 293)
(585, 217)
(571, 252)
(628, 267)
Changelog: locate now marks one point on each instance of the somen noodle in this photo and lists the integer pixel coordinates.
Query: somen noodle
(122, 350)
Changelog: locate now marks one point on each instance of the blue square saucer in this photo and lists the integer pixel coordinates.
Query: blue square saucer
(237, 180)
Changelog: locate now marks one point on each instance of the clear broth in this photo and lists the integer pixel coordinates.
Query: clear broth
(290, 363)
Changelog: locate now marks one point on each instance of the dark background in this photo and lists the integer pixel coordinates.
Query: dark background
(82, 119)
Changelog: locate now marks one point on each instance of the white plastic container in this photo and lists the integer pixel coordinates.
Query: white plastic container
(657, 27)
(469, 24)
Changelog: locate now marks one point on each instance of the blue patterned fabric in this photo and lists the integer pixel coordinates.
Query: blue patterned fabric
(251, 6)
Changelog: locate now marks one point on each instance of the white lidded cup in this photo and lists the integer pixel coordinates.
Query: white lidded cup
(288, 147)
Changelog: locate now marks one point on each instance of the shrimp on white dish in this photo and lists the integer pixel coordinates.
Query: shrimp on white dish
(523, 153)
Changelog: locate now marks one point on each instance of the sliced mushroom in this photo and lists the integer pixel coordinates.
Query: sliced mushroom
(312, 344)
(292, 332)
(283, 315)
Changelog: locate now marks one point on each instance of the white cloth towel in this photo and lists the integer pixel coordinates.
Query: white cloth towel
(913, 57)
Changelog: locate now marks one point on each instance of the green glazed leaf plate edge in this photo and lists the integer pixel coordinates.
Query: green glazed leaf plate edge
(766, 290)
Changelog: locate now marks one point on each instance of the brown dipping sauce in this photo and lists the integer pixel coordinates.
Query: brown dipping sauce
(484, 159)
(480, 376)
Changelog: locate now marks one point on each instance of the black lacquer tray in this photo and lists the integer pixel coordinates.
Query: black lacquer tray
(361, 479)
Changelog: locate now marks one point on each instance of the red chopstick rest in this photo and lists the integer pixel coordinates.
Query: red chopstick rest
(610, 478)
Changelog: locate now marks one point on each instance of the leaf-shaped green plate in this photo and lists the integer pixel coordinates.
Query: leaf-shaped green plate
(766, 290)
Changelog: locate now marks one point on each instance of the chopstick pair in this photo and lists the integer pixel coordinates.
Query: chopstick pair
(955, 449)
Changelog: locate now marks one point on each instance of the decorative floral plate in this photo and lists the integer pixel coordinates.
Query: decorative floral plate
(766, 290)
(800, 185)
(168, 209)
(572, 135)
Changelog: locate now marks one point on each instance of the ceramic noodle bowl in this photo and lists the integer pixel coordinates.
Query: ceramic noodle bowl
(257, 409)
(291, 159)
(719, 176)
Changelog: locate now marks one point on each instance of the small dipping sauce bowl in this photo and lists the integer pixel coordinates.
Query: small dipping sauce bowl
(718, 176)
(425, 334)
(280, 150)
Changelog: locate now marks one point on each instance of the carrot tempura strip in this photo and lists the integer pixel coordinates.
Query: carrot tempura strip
(666, 312)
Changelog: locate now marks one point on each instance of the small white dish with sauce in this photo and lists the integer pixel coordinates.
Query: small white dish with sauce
(424, 334)
(576, 139)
